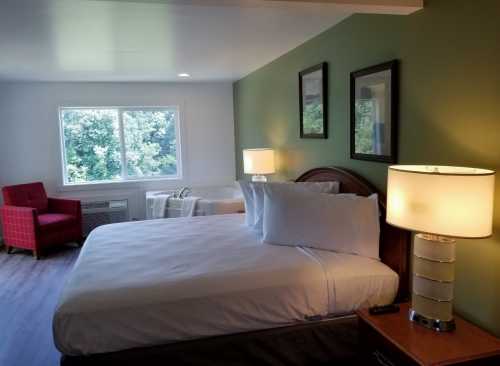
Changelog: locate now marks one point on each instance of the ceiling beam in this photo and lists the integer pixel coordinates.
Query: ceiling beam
(353, 6)
(369, 6)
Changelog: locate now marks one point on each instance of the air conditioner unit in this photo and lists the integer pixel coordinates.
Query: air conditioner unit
(97, 213)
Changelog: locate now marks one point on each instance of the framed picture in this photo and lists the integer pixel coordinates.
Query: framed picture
(374, 113)
(313, 90)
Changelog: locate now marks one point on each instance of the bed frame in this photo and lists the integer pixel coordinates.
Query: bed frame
(327, 341)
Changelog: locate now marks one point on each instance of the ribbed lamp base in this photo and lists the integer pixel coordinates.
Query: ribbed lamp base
(433, 279)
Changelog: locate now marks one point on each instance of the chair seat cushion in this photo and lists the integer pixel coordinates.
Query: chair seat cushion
(51, 221)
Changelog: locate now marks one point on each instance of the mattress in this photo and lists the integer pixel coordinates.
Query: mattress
(154, 282)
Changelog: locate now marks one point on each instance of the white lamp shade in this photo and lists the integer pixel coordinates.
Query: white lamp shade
(258, 161)
(441, 200)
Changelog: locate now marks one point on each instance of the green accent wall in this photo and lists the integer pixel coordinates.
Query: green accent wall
(449, 112)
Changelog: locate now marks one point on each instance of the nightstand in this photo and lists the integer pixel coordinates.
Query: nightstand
(392, 340)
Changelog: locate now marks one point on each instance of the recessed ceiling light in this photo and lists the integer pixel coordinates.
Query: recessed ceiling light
(184, 75)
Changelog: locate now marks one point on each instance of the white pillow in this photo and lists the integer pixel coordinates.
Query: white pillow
(340, 223)
(247, 190)
(258, 195)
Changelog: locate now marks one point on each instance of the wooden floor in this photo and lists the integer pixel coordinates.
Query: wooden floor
(29, 292)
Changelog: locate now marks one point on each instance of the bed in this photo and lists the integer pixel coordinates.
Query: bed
(204, 290)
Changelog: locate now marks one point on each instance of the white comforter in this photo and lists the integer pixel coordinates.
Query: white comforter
(153, 282)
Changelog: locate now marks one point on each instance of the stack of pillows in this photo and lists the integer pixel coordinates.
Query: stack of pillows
(314, 215)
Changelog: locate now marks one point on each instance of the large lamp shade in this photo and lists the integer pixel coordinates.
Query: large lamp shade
(441, 203)
(442, 200)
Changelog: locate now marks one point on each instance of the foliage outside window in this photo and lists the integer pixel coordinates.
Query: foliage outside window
(116, 144)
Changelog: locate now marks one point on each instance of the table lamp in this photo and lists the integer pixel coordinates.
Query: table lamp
(440, 203)
(258, 162)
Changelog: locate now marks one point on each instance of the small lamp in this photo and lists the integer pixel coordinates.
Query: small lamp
(441, 203)
(258, 162)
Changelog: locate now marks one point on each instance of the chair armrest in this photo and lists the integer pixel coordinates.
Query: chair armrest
(18, 219)
(65, 206)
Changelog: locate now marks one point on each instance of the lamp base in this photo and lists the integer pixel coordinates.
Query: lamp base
(433, 277)
(259, 178)
(435, 324)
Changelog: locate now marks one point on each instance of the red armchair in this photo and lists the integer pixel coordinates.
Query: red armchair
(31, 220)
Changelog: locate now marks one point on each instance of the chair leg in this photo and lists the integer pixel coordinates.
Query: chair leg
(36, 254)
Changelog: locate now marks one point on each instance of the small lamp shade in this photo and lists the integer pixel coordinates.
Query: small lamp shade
(441, 200)
(258, 161)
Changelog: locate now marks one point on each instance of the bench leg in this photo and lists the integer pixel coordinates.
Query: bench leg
(36, 254)
(8, 249)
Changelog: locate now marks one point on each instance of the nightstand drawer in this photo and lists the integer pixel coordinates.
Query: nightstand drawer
(382, 358)
(379, 351)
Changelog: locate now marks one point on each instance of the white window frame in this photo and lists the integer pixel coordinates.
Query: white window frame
(124, 175)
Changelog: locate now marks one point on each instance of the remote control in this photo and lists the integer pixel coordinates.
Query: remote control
(383, 309)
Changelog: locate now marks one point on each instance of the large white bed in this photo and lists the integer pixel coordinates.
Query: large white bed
(150, 283)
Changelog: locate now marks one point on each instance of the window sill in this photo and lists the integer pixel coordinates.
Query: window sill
(132, 183)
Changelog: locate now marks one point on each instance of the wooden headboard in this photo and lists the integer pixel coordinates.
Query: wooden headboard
(395, 243)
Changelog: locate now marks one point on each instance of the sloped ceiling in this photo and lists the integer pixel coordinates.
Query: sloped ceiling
(155, 40)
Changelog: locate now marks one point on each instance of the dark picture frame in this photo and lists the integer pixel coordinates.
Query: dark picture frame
(313, 91)
(374, 109)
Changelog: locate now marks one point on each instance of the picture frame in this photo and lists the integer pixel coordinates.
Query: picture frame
(313, 91)
(374, 108)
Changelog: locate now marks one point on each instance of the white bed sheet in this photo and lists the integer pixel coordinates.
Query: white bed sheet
(153, 282)
(354, 281)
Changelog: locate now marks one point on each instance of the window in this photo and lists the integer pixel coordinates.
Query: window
(118, 144)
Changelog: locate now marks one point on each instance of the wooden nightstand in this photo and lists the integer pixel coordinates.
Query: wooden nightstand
(392, 340)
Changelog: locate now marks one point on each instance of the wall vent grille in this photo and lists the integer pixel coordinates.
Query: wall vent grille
(97, 213)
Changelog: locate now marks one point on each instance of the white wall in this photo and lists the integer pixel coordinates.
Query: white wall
(29, 132)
